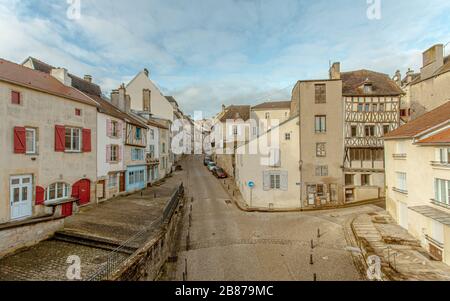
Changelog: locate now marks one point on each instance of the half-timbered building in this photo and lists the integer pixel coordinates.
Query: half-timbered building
(372, 109)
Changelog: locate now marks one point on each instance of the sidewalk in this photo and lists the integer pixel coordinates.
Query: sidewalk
(92, 234)
(401, 255)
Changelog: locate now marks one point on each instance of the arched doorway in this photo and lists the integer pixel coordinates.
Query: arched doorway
(81, 190)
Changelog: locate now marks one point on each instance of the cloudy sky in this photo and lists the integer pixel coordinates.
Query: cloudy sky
(209, 52)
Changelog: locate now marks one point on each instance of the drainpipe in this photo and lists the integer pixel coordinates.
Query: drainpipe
(300, 149)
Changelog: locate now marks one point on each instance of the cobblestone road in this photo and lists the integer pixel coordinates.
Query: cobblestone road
(228, 244)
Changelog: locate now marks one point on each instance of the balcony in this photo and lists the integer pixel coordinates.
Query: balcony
(440, 164)
(402, 191)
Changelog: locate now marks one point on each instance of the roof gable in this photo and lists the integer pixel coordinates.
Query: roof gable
(382, 85)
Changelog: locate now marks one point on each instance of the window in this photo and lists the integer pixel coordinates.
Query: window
(374, 107)
(287, 136)
(321, 124)
(365, 180)
(367, 107)
(235, 130)
(152, 151)
(73, 140)
(57, 191)
(382, 107)
(401, 184)
(30, 141)
(114, 129)
(444, 155)
(349, 180)
(355, 154)
(322, 171)
(16, 98)
(141, 176)
(152, 134)
(386, 129)
(369, 130)
(354, 131)
(164, 148)
(131, 179)
(267, 115)
(255, 131)
(321, 150)
(442, 191)
(77, 112)
(112, 180)
(321, 93)
(400, 148)
(138, 133)
(137, 154)
(320, 190)
(360, 107)
(114, 153)
(368, 88)
(275, 181)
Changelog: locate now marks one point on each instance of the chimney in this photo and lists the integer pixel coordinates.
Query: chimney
(61, 75)
(122, 97)
(335, 71)
(398, 78)
(127, 103)
(223, 108)
(115, 97)
(88, 78)
(146, 72)
(409, 75)
(146, 100)
(433, 59)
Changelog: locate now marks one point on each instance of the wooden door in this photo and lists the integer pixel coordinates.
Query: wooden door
(81, 190)
(122, 182)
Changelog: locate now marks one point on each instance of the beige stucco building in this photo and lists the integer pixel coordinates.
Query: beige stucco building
(418, 179)
(269, 114)
(427, 89)
(49, 140)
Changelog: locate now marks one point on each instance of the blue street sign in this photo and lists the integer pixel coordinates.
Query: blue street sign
(251, 184)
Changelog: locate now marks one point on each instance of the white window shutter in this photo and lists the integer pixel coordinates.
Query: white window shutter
(284, 181)
(275, 157)
(266, 180)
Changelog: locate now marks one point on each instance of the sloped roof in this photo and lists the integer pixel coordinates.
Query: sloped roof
(77, 82)
(442, 137)
(33, 79)
(236, 112)
(425, 122)
(382, 85)
(273, 105)
(444, 69)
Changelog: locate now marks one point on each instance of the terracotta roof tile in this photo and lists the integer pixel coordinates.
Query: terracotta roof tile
(441, 137)
(273, 105)
(382, 84)
(236, 112)
(425, 122)
(29, 78)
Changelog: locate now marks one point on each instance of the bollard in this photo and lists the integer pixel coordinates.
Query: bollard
(154, 195)
(311, 262)
(192, 199)
(312, 244)
(318, 233)
(185, 268)
(315, 277)
(142, 193)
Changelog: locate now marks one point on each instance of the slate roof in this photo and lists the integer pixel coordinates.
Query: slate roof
(425, 122)
(382, 84)
(77, 82)
(273, 105)
(37, 80)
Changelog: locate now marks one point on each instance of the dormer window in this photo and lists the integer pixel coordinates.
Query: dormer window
(368, 88)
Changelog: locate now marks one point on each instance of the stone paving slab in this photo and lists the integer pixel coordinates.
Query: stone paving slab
(401, 251)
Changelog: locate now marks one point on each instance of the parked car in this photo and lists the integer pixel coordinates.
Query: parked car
(220, 173)
(206, 161)
(211, 166)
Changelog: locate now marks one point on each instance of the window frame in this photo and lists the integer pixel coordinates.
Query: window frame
(19, 101)
(367, 182)
(320, 93)
(320, 120)
(65, 190)
(71, 148)
(442, 191)
(321, 153)
(34, 131)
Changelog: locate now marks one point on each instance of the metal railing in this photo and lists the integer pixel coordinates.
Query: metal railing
(119, 255)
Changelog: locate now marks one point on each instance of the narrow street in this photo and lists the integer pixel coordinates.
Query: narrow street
(228, 244)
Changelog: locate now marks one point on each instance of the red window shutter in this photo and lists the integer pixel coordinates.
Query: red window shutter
(15, 98)
(40, 195)
(108, 153)
(119, 156)
(108, 128)
(20, 140)
(87, 141)
(60, 133)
